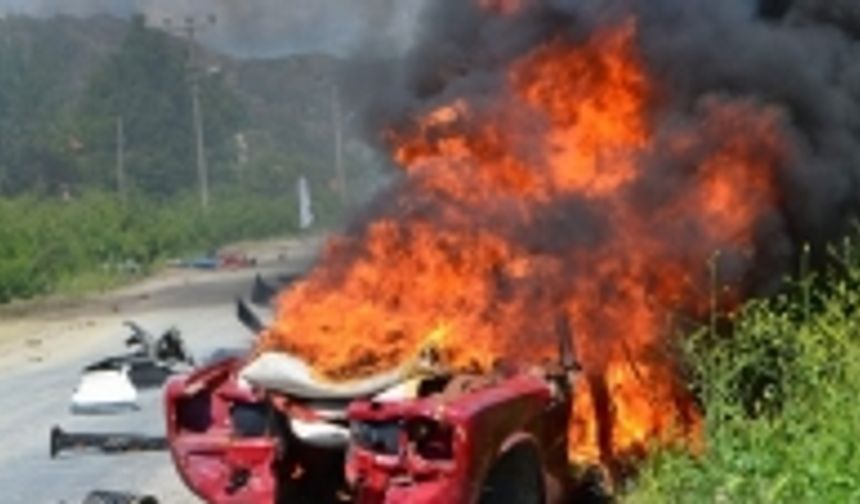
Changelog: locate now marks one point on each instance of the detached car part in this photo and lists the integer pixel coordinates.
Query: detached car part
(111, 385)
(104, 392)
(62, 441)
(263, 292)
(108, 497)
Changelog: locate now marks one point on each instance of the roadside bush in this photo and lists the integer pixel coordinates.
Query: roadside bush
(44, 242)
(780, 393)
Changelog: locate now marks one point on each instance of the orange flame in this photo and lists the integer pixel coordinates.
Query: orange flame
(577, 122)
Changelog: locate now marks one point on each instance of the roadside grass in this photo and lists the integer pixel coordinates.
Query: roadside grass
(97, 281)
(781, 394)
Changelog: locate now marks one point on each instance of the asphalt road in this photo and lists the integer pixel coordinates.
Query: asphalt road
(39, 371)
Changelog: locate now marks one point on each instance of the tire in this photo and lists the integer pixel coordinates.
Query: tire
(516, 478)
(104, 497)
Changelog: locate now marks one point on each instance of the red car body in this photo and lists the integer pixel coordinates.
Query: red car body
(210, 456)
(448, 444)
(465, 439)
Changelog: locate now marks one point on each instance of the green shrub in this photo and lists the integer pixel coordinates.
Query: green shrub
(46, 242)
(780, 393)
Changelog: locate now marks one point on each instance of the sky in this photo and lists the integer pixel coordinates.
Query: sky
(260, 27)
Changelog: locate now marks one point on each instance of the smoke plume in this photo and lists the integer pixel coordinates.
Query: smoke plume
(800, 61)
(625, 163)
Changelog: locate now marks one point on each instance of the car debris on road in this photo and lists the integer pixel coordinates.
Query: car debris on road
(111, 385)
(264, 428)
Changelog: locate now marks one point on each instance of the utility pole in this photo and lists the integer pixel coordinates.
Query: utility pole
(202, 167)
(190, 30)
(120, 159)
(337, 126)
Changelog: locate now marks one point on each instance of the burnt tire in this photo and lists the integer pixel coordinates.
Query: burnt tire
(104, 497)
(516, 478)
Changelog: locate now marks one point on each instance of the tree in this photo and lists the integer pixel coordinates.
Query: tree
(146, 84)
(35, 154)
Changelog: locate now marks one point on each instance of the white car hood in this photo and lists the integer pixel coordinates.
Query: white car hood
(104, 392)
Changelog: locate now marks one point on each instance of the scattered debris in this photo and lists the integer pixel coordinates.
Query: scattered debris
(62, 441)
(104, 392)
(111, 385)
(221, 261)
(263, 292)
(107, 497)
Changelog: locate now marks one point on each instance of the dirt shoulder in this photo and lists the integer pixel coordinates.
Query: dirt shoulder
(28, 329)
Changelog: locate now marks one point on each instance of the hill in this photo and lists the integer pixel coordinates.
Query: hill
(46, 66)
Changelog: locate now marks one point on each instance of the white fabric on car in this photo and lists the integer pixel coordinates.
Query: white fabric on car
(291, 376)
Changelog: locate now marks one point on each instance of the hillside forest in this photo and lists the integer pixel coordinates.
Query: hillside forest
(98, 152)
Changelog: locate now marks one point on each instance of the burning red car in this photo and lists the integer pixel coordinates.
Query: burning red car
(474, 439)
(434, 438)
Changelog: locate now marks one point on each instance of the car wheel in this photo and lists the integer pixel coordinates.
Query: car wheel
(516, 478)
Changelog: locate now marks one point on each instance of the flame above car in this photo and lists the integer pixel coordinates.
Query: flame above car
(561, 190)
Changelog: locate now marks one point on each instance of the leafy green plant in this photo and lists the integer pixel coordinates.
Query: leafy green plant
(780, 395)
(48, 242)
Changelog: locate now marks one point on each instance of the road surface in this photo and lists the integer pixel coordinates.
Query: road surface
(41, 356)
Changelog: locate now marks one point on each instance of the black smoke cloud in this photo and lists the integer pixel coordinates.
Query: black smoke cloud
(797, 57)
(843, 13)
(804, 65)
(791, 64)
(259, 28)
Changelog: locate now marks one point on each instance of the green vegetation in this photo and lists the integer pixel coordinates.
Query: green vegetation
(66, 86)
(145, 83)
(54, 146)
(46, 243)
(781, 392)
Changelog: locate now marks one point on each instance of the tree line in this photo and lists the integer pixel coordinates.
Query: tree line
(54, 148)
(61, 214)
